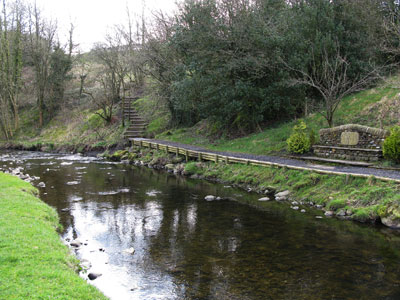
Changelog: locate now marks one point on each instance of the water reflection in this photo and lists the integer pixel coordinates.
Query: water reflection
(187, 248)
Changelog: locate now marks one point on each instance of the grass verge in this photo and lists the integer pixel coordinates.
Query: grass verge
(34, 263)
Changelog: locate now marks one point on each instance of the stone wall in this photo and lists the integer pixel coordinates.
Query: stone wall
(353, 136)
(353, 142)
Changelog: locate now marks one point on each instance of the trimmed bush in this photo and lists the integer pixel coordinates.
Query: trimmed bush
(301, 139)
(391, 145)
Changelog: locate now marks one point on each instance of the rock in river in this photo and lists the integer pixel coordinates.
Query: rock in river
(264, 199)
(93, 276)
(41, 185)
(391, 222)
(329, 213)
(209, 198)
(76, 243)
(282, 195)
(129, 251)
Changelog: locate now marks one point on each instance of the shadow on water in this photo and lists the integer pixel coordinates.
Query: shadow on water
(188, 248)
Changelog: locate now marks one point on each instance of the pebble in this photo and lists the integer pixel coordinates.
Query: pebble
(318, 217)
(318, 206)
(329, 213)
(129, 251)
(295, 207)
(303, 211)
(41, 184)
(295, 203)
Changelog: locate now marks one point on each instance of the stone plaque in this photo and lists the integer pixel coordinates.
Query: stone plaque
(349, 138)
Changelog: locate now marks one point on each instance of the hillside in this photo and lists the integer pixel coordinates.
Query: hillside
(77, 127)
(375, 107)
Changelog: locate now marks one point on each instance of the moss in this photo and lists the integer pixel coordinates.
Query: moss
(336, 204)
(365, 214)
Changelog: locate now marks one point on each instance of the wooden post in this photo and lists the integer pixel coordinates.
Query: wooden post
(216, 158)
(199, 156)
(226, 159)
(158, 146)
(177, 151)
(166, 149)
(247, 162)
(140, 144)
(187, 155)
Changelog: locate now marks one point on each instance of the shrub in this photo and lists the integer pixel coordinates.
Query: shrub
(301, 139)
(391, 145)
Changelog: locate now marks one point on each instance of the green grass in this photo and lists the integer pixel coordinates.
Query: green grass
(362, 108)
(34, 263)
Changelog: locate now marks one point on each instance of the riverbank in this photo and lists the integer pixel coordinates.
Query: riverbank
(345, 197)
(35, 264)
(61, 147)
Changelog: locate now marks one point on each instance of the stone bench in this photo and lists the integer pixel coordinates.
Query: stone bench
(351, 142)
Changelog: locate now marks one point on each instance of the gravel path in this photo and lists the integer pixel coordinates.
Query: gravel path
(388, 174)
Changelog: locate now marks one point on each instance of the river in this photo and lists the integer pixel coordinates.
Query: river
(188, 248)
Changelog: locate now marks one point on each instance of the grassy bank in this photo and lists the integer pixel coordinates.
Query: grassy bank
(34, 263)
(361, 199)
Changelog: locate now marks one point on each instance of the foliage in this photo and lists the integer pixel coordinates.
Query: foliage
(231, 62)
(300, 141)
(60, 66)
(391, 145)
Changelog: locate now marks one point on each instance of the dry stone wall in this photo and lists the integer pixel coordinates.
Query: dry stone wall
(352, 142)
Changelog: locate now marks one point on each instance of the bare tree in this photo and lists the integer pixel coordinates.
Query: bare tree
(329, 76)
(41, 42)
(104, 99)
(10, 66)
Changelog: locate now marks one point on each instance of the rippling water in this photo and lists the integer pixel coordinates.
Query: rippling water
(188, 248)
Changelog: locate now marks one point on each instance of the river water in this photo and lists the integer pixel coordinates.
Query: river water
(188, 248)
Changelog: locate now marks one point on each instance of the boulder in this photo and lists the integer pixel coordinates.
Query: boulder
(391, 222)
(282, 195)
(329, 213)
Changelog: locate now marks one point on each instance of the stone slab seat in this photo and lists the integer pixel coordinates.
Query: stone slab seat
(347, 148)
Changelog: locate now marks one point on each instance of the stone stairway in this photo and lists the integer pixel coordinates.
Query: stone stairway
(137, 125)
